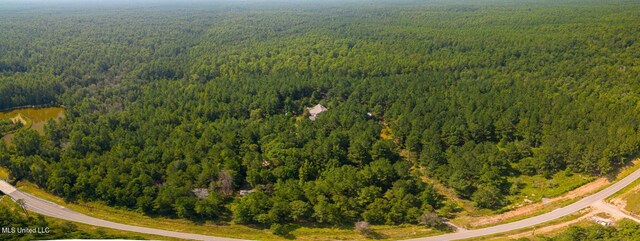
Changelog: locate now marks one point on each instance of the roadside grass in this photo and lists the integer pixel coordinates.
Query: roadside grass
(542, 237)
(466, 219)
(633, 202)
(547, 208)
(623, 173)
(94, 229)
(379, 232)
(505, 236)
(630, 196)
(102, 211)
(623, 193)
(545, 237)
(534, 189)
(7, 202)
(537, 187)
(404, 231)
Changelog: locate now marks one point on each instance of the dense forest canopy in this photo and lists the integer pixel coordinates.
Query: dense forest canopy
(164, 100)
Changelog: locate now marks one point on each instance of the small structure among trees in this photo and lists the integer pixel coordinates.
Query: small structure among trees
(247, 191)
(314, 111)
(201, 193)
(602, 221)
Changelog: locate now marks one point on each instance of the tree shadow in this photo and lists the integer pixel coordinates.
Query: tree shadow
(617, 168)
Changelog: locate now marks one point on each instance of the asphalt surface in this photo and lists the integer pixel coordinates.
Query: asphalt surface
(613, 210)
(54, 210)
(51, 209)
(555, 214)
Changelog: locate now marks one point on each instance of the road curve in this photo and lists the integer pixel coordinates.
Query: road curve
(51, 209)
(555, 214)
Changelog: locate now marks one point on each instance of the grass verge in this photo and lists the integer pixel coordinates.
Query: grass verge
(102, 211)
(13, 207)
(506, 235)
(467, 220)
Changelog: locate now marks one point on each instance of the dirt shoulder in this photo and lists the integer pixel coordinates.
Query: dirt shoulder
(534, 208)
(586, 214)
(531, 209)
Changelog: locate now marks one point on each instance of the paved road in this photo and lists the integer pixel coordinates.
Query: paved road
(54, 210)
(613, 210)
(555, 214)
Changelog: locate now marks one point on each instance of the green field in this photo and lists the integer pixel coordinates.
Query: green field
(35, 118)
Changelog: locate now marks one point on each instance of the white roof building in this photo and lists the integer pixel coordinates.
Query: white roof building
(602, 221)
(201, 193)
(245, 192)
(314, 111)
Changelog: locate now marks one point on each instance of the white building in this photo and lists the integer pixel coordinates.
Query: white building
(201, 193)
(602, 221)
(314, 111)
(245, 192)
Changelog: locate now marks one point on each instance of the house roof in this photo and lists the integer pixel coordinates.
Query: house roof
(317, 109)
(201, 193)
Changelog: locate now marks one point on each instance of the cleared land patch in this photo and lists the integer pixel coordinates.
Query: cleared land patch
(34, 118)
